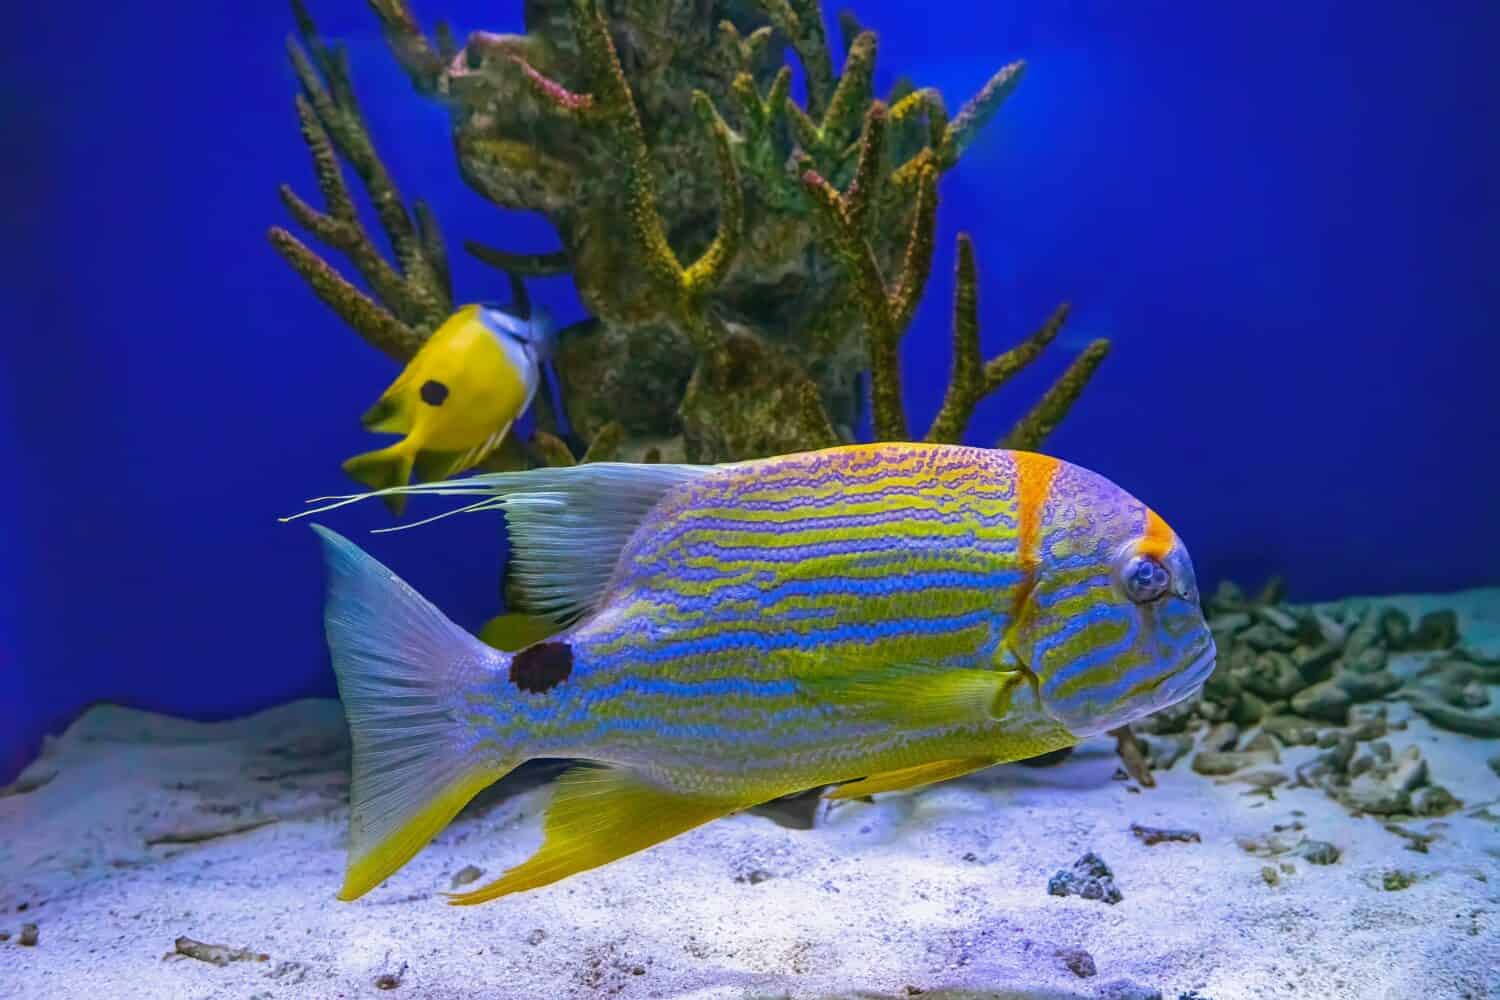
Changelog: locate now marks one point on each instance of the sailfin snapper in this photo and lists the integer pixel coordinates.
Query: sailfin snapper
(456, 400)
(872, 617)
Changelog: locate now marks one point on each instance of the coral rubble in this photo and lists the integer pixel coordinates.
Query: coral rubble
(745, 256)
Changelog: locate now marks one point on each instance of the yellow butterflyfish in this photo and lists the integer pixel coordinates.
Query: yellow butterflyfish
(458, 397)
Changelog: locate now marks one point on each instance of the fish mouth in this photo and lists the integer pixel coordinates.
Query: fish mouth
(1187, 681)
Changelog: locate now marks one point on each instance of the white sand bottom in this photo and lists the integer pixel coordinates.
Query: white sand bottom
(941, 893)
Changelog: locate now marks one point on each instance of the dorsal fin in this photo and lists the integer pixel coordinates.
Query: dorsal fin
(567, 525)
(566, 536)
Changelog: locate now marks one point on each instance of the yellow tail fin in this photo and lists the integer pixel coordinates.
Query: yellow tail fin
(384, 469)
(408, 678)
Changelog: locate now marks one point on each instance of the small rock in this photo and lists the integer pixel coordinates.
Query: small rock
(1260, 741)
(1164, 751)
(1077, 961)
(1277, 618)
(387, 981)
(1274, 676)
(1230, 622)
(1473, 695)
(29, 934)
(1291, 730)
(1262, 637)
(1090, 878)
(1249, 709)
(1124, 989)
(1269, 875)
(1434, 800)
(1319, 852)
(1367, 685)
(1394, 628)
(1370, 660)
(1170, 720)
(755, 876)
(1410, 772)
(1494, 763)
(1149, 835)
(1329, 630)
(1340, 754)
(1315, 662)
(465, 875)
(536, 937)
(1221, 737)
(1436, 630)
(1217, 763)
(1227, 597)
(1371, 794)
(1396, 880)
(4, 935)
(1324, 700)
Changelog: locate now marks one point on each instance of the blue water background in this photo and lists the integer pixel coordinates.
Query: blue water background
(1283, 214)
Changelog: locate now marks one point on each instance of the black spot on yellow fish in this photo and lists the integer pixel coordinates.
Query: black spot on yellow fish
(541, 667)
(434, 392)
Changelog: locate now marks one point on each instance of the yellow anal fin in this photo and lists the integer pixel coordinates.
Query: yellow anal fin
(910, 777)
(598, 815)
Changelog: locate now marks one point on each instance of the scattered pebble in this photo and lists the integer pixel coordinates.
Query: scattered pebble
(1270, 875)
(217, 954)
(1396, 880)
(1434, 800)
(1090, 878)
(1494, 763)
(29, 934)
(1078, 962)
(754, 876)
(1217, 763)
(387, 981)
(536, 937)
(1319, 852)
(1155, 835)
(465, 875)
(1124, 989)
(4, 935)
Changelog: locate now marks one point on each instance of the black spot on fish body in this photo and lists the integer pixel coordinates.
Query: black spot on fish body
(541, 667)
(434, 393)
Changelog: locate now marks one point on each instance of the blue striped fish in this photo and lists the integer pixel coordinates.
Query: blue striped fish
(867, 618)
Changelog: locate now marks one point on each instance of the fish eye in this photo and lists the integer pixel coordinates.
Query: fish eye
(1145, 579)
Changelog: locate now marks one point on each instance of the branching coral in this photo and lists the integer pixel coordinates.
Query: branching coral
(415, 295)
(740, 273)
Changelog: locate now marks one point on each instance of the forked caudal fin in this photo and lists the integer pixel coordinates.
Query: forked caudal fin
(405, 673)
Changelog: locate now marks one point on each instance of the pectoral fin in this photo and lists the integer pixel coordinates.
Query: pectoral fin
(910, 777)
(917, 694)
(600, 814)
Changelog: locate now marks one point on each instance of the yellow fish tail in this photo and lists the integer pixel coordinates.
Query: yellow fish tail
(408, 677)
(384, 469)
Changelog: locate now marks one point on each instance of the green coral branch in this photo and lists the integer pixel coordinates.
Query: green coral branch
(424, 62)
(801, 21)
(887, 310)
(366, 316)
(974, 116)
(1031, 430)
(611, 105)
(973, 379)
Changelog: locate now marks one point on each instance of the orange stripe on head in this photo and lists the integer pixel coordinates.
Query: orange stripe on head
(1156, 542)
(1034, 477)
